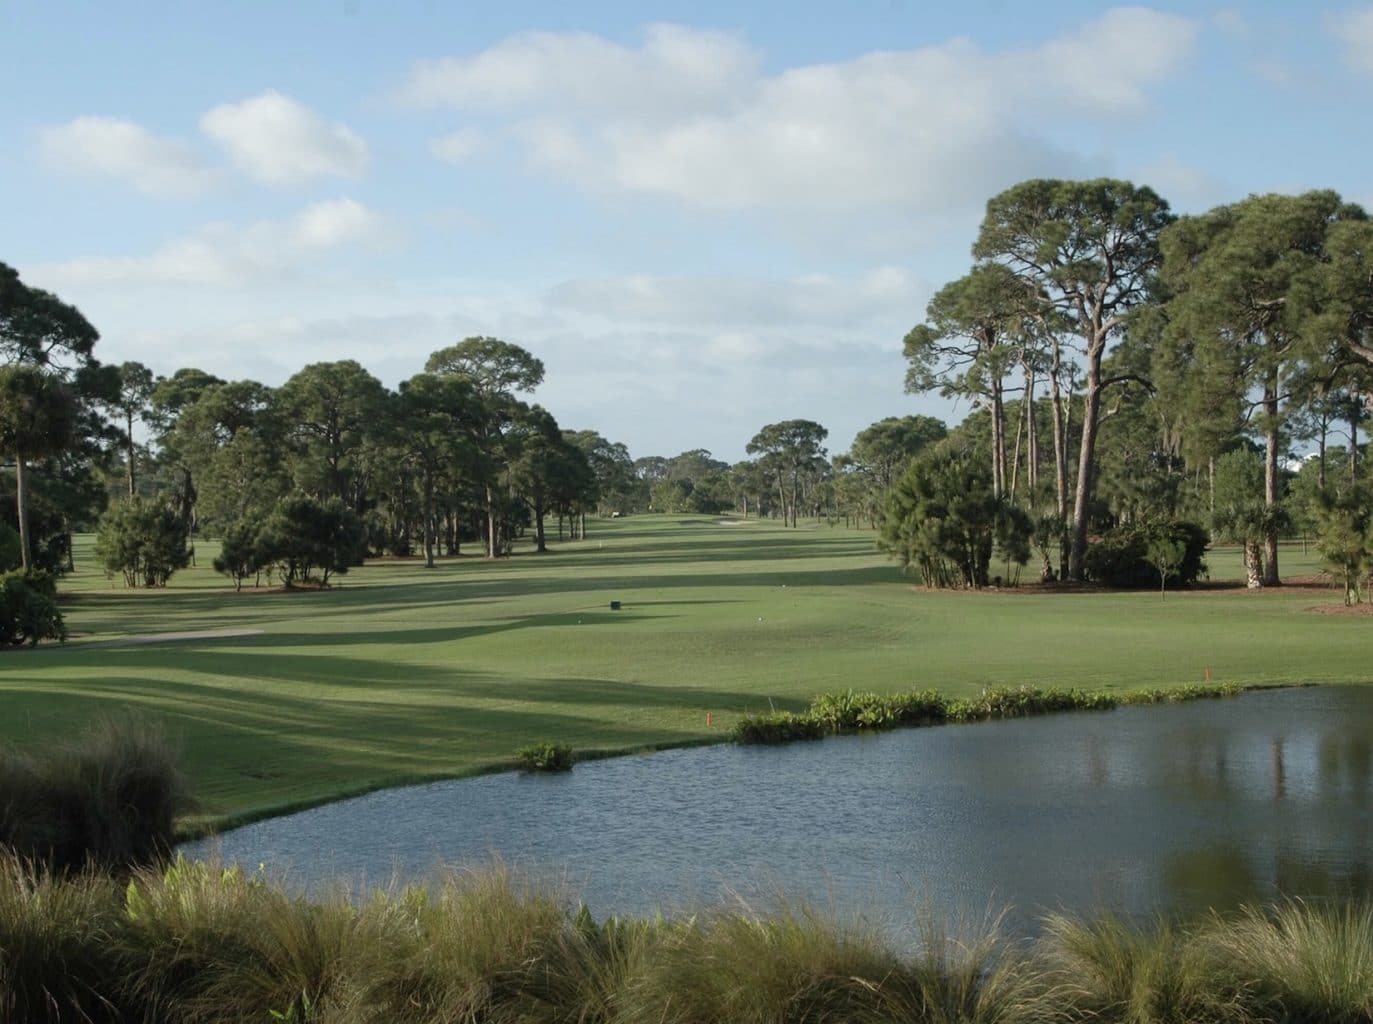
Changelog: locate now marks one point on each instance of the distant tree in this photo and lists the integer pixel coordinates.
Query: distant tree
(329, 409)
(37, 420)
(1242, 515)
(303, 535)
(432, 420)
(1237, 275)
(944, 519)
(1344, 534)
(28, 610)
(496, 370)
(792, 447)
(39, 329)
(671, 496)
(144, 540)
(241, 552)
(1091, 249)
(491, 365)
(132, 402)
(974, 333)
(618, 489)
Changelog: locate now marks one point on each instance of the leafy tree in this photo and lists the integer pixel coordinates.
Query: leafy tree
(303, 534)
(973, 334)
(1241, 514)
(144, 540)
(132, 401)
(1344, 534)
(433, 420)
(241, 552)
(618, 488)
(496, 370)
(39, 329)
(492, 366)
(1091, 248)
(944, 519)
(331, 408)
(792, 448)
(672, 496)
(37, 419)
(28, 610)
(879, 454)
(1237, 275)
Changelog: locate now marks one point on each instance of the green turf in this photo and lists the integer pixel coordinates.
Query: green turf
(401, 672)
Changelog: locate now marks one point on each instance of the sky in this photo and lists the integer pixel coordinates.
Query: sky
(702, 217)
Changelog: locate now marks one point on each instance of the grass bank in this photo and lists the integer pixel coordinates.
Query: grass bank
(401, 674)
(200, 944)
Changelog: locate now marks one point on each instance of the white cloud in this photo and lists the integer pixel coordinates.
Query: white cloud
(277, 140)
(458, 146)
(729, 303)
(224, 255)
(676, 70)
(127, 151)
(1188, 188)
(1355, 30)
(918, 129)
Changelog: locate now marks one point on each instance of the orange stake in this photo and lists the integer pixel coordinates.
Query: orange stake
(1208, 675)
(707, 719)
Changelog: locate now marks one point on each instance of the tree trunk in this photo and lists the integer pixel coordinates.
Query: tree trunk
(1353, 443)
(1060, 439)
(21, 499)
(428, 521)
(1031, 436)
(1270, 480)
(1086, 462)
(1253, 565)
(491, 551)
(998, 441)
(540, 542)
(1014, 474)
(128, 422)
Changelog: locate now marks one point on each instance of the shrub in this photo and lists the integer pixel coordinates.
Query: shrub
(777, 727)
(302, 535)
(1122, 557)
(545, 757)
(109, 798)
(57, 959)
(28, 609)
(143, 540)
(240, 552)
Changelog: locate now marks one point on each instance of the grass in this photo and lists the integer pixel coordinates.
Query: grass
(401, 674)
(201, 944)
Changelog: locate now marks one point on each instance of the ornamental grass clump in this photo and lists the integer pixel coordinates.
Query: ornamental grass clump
(108, 799)
(777, 727)
(545, 757)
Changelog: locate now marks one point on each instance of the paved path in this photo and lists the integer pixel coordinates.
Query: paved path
(161, 638)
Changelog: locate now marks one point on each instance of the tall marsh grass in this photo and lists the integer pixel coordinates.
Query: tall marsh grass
(108, 798)
(201, 944)
(849, 711)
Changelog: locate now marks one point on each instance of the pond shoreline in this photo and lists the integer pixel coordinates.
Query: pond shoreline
(193, 828)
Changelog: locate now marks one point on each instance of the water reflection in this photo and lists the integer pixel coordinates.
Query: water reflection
(1140, 810)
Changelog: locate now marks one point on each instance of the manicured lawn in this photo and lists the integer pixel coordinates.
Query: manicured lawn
(400, 673)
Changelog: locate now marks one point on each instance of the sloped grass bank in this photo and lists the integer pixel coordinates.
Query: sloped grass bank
(849, 711)
(201, 944)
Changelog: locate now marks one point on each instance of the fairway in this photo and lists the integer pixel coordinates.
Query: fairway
(400, 673)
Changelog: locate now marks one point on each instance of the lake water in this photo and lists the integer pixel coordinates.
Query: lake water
(1170, 808)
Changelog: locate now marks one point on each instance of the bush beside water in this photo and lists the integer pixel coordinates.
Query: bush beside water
(108, 799)
(850, 711)
(545, 757)
(199, 944)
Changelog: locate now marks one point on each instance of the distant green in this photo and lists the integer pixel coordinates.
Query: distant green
(399, 673)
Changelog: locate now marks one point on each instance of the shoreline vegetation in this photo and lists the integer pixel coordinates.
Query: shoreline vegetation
(200, 943)
(847, 711)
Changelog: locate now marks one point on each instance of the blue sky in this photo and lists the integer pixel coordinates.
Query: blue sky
(703, 218)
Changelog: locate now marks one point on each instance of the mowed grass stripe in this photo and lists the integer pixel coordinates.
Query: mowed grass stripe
(402, 673)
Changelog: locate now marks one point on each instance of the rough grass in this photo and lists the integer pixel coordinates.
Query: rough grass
(108, 797)
(201, 944)
(402, 674)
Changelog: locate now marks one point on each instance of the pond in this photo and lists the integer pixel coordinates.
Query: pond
(1142, 810)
